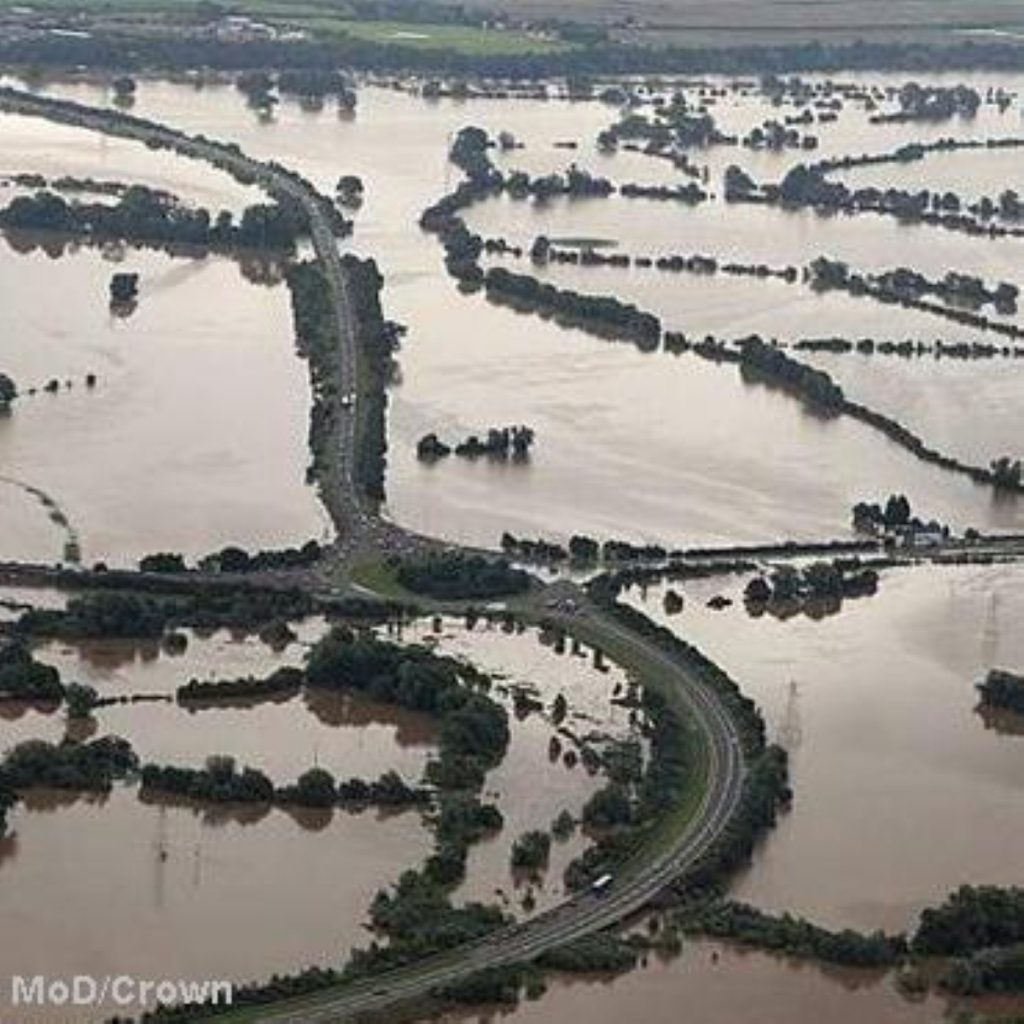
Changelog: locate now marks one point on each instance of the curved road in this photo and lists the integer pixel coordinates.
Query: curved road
(582, 914)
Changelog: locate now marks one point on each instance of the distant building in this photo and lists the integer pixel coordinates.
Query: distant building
(924, 538)
(240, 28)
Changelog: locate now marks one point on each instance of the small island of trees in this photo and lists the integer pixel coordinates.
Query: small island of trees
(124, 288)
(1003, 690)
(23, 678)
(501, 443)
(8, 392)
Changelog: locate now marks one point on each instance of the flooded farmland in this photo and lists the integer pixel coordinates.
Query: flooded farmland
(588, 400)
(179, 867)
(898, 779)
(193, 436)
(149, 458)
(712, 984)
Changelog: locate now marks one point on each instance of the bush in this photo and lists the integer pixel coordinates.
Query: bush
(24, 678)
(458, 576)
(971, 919)
(608, 807)
(76, 766)
(794, 936)
(599, 953)
(531, 850)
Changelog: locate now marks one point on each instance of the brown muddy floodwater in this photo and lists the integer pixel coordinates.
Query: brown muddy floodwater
(531, 786)
(708, 459)
(902, 792)
(179, 868)
(714, 984)
(346, 734)
(35, 146)
(194, 435)
(155, 892)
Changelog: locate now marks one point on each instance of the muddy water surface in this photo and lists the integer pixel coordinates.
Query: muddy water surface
(901, 791)
(156, 892)
(532, 786)
(712, 984)
(696, 471)
(194, 435)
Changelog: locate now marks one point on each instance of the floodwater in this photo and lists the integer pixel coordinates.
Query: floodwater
(720, 461)
(194, 435)
(530, 786)
(346, 734)
(901, 791)
(714, 984)
(166, 892)
(876, 703)
(179, 868)
(35, 146)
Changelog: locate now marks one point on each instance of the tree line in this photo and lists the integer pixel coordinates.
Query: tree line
(501, 443)
(455, 575)
(808, 186)
(234, 559)
(117, 614)
(221, 780)
(147, 216)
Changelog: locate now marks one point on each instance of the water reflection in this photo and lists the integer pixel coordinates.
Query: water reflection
(191, 896)
(213, 815)
(720, 984)
(1001, 721)
(411, 728)
(265, 269)
(15, 710)
(891, 750)
(49, 801)
(134, 475)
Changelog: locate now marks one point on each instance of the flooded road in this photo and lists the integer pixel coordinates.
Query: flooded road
(194, 437)
(781, 473)
(179, 867)
(589, 401)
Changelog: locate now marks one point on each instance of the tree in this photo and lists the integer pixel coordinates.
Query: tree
(163, 561)
(608, 807)
(220, 767)
(583, 548)
(8, 390)
(124, 86)
(350, 190)
(897, 510)
(531, 850)
(316, 788)
(564, 825)
(81, 699)
(559, 709)
(1006, 472)
(123, 287)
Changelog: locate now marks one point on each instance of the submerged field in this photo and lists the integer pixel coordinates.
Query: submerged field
(194, 436)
